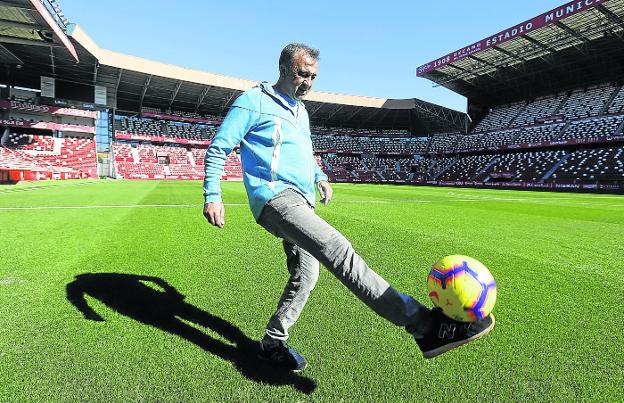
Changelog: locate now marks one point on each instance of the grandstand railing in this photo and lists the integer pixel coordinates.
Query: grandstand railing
(164, 116)
(160, 139)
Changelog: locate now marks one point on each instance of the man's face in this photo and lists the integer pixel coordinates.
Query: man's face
(299, 78)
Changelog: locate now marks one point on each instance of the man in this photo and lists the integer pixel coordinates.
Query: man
(279, 171)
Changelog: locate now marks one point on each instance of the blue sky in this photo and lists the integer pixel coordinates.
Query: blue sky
(367, 48)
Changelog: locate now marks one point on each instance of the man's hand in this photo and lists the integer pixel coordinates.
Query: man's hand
(326, 192)
(215, 214)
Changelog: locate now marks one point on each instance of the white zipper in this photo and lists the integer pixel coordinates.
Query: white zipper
(277, 138)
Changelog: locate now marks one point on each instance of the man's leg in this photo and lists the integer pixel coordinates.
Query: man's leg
(304, 272)
(289, 216)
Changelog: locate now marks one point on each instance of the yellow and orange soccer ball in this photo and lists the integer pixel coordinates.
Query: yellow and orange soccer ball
(462, 287)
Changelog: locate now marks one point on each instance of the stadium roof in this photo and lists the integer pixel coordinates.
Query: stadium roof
(29, 27)
(33, 50)
(138, 82)
(578, 43)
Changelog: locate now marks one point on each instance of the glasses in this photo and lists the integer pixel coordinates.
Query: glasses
(305, 74)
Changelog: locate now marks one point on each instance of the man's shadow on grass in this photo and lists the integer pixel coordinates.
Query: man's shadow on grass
(153, 301)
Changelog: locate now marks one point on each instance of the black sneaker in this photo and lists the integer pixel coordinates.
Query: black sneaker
(283, 356)
(446, 334)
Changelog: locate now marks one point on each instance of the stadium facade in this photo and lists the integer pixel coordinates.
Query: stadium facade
(545, 109)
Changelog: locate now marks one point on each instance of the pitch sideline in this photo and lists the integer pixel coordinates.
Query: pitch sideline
(474, 200)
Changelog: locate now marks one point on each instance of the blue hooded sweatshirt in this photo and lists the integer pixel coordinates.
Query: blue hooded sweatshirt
(275, 148)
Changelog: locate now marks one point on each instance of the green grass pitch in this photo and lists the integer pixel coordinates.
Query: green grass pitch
(110, 249)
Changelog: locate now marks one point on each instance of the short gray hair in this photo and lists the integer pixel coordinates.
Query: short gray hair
(287, 57)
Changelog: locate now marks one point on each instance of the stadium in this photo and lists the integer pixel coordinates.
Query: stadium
(101, 164)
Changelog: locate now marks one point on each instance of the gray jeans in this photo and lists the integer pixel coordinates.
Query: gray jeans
(308, 240)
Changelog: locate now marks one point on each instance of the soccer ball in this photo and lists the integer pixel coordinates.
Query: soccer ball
(462, 287)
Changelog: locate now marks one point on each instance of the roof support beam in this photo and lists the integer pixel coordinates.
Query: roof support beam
(225, 104)
(118, 80)
(575, 34)
(331, 115)
(508, 53)
(52, 61)
(536, 42)
(394, 118)
(149, 78)
(116, 93)
(96, 67)
(386, 112)
(473, 57)
(456, 119)
(175, 93)
(545, 58)
(613, 18)
(311, 113)
(458, 68)
(9, 57)
(571, 31)
(200, 99)
(351, 116)
(610, 15)
(373, 115)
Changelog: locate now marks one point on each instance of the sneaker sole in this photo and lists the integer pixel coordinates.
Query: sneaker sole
(451, 346)
(296, 371)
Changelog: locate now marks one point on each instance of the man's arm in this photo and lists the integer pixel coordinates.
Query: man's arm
(236, 124)
(167, 288)
(322, 183)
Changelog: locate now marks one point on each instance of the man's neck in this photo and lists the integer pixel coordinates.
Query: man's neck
(290, 100)
(279, 86)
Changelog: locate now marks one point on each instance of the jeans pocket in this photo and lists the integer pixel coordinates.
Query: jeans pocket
(285, 199)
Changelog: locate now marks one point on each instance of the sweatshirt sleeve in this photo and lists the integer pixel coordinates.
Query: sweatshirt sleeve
(236, 124)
